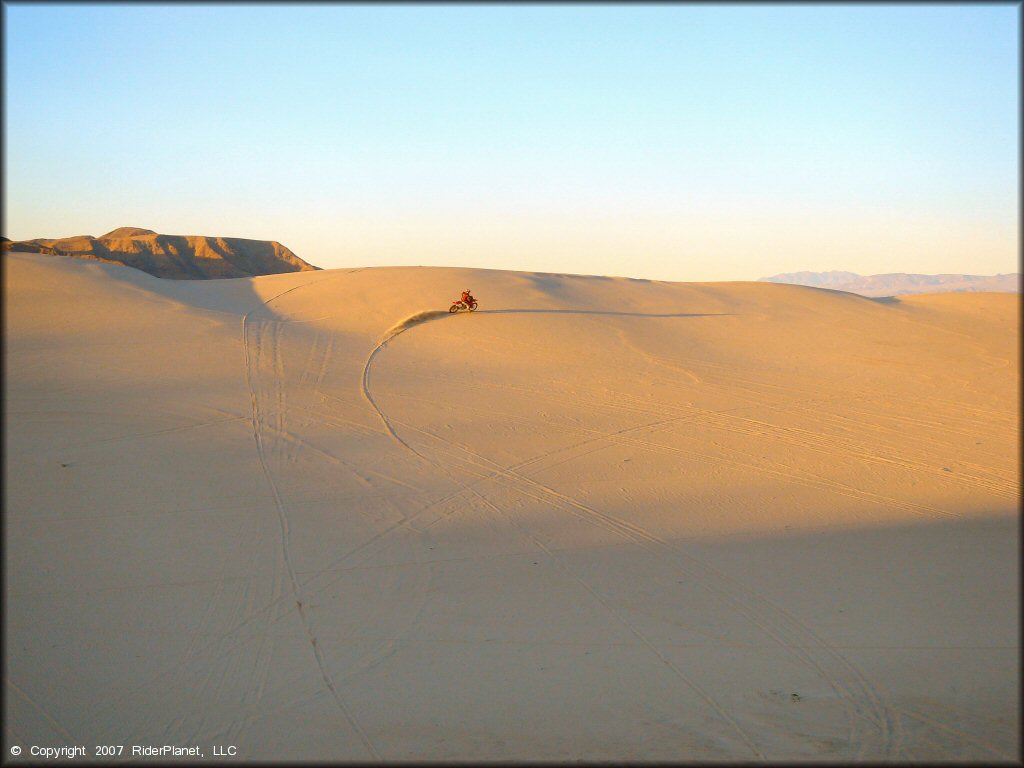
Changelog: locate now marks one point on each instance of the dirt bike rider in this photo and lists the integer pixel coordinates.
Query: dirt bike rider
(467, 298)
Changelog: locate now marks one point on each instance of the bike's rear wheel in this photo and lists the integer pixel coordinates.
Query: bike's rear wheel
(472, 306)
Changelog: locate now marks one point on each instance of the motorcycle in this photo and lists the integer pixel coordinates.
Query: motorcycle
(459, 306)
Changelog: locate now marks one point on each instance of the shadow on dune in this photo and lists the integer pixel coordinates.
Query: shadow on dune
(598, 312)
(235, 296)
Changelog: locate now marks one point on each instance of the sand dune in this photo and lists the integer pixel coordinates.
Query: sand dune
(314, 516)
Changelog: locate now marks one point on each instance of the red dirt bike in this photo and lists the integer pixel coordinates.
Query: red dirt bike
(459, 306)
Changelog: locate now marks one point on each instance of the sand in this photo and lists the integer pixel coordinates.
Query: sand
(598, 519)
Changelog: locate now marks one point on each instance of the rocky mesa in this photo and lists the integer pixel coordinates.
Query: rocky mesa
(178, 257)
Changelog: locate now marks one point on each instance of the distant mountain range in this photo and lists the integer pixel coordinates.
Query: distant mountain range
(179, 257)
(900, 283)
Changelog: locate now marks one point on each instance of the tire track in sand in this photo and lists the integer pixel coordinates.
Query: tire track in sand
(692, 684)
(847, 681)
(558, 561)
(787, 631)
(252, 353)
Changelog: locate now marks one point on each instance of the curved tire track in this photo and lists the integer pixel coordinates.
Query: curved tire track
(847, 681)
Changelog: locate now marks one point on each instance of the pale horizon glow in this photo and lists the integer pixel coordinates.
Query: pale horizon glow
(670, 142)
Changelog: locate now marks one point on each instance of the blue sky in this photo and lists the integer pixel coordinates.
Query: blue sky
(676, 142)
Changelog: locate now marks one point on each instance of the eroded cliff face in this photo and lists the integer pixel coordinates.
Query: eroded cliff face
(179, 257)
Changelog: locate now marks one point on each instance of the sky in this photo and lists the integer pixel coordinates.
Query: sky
(688, 142)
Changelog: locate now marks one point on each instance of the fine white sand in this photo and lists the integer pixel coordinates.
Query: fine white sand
(598, 519)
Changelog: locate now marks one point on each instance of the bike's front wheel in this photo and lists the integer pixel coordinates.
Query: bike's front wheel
(453, 308)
